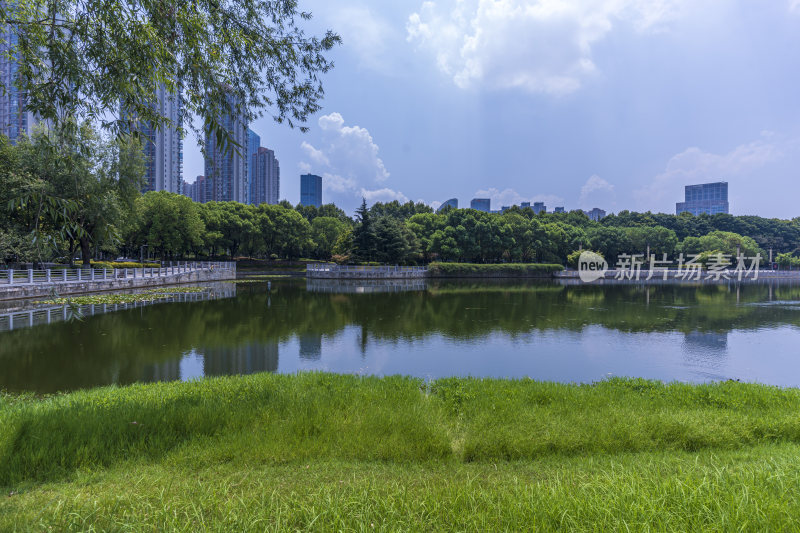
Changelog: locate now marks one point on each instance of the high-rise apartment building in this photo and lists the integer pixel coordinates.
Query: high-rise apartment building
(539, 207)
(14, 119)
(708, 198)
(266, 176)
(199, 191)
(163, 147)
(253, 144)
(311, 190)
(189, 189)
(481, 204)
(227, 166)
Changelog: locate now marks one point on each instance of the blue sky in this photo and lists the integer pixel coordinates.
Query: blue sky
(583, 103)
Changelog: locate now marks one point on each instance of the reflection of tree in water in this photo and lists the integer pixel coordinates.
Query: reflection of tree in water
(310, 346)
(128, 346)
(243, 359)
(162, 371)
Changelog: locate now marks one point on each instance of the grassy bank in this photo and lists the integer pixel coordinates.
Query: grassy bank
(505, 270)
(327, 452)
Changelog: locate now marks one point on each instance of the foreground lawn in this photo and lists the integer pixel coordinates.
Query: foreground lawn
(325, 452)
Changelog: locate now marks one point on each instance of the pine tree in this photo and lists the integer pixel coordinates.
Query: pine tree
(364, 234)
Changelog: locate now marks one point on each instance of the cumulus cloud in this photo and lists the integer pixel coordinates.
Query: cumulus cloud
(337, 183)
(383, 195)
(541, 46)
(315, 155)
(597, 192)
(743, 167)
(511, 197)
(350, 150)
(348, 160)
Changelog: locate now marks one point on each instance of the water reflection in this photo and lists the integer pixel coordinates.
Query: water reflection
(245, 359)
(363, 286)
(705, 342)
(310, 346)
(541, 330)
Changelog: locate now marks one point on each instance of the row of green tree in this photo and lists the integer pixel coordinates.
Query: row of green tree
(69, 191)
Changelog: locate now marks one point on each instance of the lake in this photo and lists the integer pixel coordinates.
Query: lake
(433, 329)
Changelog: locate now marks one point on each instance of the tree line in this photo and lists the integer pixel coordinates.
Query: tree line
(71, 193)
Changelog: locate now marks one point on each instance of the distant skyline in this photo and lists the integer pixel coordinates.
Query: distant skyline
(616, 104)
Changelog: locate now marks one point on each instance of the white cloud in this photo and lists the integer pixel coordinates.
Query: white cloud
(347, 158)
(315, 155)
(349, 150)
(436, 204)
(541, 46)
(743, 166)
(509, 197)
(336, 183)
(794, 6)
(366, 34)
(598, 192)
(383, 195)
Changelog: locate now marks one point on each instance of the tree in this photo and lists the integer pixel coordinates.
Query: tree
(390, 243)
(660, 240)
(424, 225)
(723, 242)
(283, 232)
(787, 261)
(170, 224)
(364, 234)
(85, 186)
(325, 232)
(573, 259)
(310, 212)
(399, 211)
(610, 242)
(91, 58)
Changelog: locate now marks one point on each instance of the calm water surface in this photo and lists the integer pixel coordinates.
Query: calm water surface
(545, 331)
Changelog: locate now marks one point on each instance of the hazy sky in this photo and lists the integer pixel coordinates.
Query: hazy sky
(583, 103)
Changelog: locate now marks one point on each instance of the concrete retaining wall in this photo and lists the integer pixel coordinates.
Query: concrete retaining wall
(39, 290)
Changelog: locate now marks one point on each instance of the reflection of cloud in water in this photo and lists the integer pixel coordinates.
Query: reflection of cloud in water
(706, 341)
(704, 352)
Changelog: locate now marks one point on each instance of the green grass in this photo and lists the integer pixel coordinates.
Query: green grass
(505, 270)
(328, 452)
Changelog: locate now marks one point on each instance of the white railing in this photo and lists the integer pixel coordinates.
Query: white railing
(332, 271)
(328, 267)
(79, 275)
